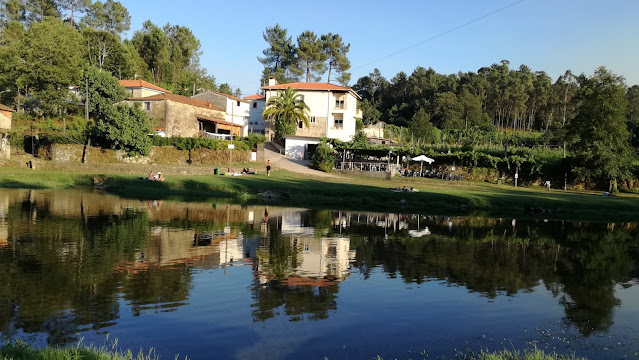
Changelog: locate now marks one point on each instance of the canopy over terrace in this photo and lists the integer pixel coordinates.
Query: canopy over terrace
(385, 160)
(211, 126)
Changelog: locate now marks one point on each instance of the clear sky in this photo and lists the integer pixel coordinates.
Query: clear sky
(546, 35)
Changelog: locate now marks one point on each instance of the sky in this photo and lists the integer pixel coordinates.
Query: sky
(545, 35)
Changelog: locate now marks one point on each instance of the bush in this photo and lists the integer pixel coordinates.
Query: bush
(253, 139)
(194, 143)
(324, 158)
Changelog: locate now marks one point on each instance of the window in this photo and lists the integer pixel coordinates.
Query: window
(301, 124)
(238, 103)
(301, 97)
(312, 119)
(254, 105)
(339, 123)
(147, 105)
(339, 102)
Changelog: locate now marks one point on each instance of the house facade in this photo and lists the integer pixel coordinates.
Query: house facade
(181, 116)
(333, 114)
(237, 110)
(256, 108)
(5, 128)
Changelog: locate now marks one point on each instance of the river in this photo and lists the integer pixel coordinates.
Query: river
(217, 280)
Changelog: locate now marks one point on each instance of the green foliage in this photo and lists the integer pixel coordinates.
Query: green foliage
(310, 57)
(52, 62)
(193, 143)
(324, 158)
(21, 350)
(104, 90)
(109, 16)
(599, 137)
(253, 139)
(336, 51)
(422, 129)
(359, 125)
(279, 55)
(126, 128)
(286, 110)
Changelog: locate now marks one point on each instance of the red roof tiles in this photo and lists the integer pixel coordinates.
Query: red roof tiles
(141, 83)
(6, 108)
(308, 86)
(255, 97)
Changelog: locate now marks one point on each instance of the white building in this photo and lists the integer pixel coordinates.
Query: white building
(333, 114)
(237, 110)
(255, 122)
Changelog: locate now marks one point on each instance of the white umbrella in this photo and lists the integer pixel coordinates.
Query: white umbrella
(422, 159)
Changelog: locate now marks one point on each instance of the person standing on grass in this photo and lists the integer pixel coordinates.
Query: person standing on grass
(268, 167)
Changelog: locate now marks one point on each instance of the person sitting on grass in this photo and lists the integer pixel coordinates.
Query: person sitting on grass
(160, 177)
(151, 176)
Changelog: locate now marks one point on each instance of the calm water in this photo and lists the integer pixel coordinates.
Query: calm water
(228, 282)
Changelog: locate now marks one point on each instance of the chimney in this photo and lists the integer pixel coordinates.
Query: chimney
(272, 81)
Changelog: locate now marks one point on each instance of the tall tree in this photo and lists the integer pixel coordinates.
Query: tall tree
(279, 55)
(421, 127)
(286, 110)
(336, 55)
(11, 62)
(74, 7)
(599, 132)
(310, 56)
(38, 10)
(633, 114)
(52, 61)
(110, 16)
(225, 88)
(154, 47)
(11, 10)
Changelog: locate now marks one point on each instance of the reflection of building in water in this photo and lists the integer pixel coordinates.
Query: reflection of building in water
(322, 258)
(171, 246)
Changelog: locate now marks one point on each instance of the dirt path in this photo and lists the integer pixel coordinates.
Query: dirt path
(279, 161)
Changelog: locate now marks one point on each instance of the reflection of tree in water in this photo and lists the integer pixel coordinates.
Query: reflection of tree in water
(59, 274)
(596, 259)
(277, 256)
(579, 263)
(166, 286)
(297, 301)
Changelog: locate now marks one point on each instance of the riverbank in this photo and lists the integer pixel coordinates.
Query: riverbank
(348, 193)
(22, 351)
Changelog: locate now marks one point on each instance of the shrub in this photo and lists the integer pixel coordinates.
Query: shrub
(323, 158)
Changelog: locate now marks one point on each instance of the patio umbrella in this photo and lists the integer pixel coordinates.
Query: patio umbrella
(422, 159)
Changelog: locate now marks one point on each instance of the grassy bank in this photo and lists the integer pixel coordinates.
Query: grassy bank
(534, 354)
(22, 351)
(353, 193)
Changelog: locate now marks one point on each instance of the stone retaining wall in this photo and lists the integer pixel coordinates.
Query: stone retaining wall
(157, 155)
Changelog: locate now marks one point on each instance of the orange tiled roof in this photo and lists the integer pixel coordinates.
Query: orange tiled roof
(141, 83)
(180, 99)
(311, 86)
(219, 121)
(307, 86)
(255, 97)
(6, 108)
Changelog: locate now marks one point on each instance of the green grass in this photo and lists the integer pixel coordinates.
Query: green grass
(533, 354)
(21, 351)
(353, 193)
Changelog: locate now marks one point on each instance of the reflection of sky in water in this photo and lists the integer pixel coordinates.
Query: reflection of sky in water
(252, 282)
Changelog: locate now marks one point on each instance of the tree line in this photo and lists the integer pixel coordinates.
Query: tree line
(310, 57)
(47, 46)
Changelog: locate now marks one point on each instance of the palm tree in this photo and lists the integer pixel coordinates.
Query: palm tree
(286, 110)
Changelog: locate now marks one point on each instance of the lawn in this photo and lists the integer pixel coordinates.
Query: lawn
(352, 193)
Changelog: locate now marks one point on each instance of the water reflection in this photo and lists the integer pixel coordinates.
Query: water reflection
(71, 261)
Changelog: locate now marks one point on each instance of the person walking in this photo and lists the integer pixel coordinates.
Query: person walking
(268, 167)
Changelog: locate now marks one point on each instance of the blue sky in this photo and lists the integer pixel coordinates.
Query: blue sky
(546, 35)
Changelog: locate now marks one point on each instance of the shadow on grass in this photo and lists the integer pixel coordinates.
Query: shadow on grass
(12, 184)
(323, 194)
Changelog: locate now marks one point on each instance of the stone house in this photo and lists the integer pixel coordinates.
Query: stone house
(237, 110)
(255, 122)
(5, 128)
(181, 116)
(333, 114)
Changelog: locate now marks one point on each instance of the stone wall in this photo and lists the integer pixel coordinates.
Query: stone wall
(5, 120)
(181, 119)
(157, 155)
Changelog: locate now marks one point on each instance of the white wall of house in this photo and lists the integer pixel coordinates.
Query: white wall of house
(295, 147)
(237, 112)
(340, 117)
(255, 121)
